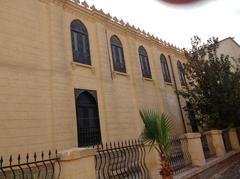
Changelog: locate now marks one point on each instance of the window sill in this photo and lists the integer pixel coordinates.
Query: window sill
(147, 79)
(168, 83)
(115, 73)
(75, 64)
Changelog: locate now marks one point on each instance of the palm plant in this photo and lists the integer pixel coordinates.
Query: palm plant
(156, 131)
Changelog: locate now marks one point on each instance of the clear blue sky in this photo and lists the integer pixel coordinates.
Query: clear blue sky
(178, 23)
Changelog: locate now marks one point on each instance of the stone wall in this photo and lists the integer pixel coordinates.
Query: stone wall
(38, 77)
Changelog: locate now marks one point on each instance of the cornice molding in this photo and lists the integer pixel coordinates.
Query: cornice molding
(76, 5)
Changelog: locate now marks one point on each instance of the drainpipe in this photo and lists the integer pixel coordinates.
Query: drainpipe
(109, 58)
(178, 99)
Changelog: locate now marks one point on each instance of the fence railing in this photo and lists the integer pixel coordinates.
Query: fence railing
(179, 156)
(30, 167)
(207, 153)
(226, 140)
(121, 160)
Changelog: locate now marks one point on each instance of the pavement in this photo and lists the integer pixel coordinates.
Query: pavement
(231, 172)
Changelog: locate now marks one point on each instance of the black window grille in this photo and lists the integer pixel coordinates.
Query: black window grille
(117, 54)
(146, 71)
(165, 70)
(88, 124)
(80, 43)
(181, 73)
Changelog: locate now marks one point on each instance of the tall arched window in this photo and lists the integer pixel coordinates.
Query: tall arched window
(88, 124)
(80, 43)
(165, 70)
(181, 73)
(117, 54)
(146, 71)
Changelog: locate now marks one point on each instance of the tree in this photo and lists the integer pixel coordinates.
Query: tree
(156, 132)
(213, 88)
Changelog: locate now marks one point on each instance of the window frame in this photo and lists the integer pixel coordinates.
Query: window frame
(117, 54)
(144, 62)
(165, 69)
(181, 73)
(79, 37)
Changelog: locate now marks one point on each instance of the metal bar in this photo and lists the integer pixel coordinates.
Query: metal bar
(104, 164)
(144, 159)
(121, 160)
(97, 158)
(11, 167)
(134, 159)
(35, 160)
(1, 164)
(28, 165)
(19, 162)
(178, 158)
(131, 159)
(129, 170)
(29, 169)
(109, 160)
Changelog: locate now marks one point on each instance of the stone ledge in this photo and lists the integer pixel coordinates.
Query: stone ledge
(147, 79)
(77, 64)
(232, 130)
(213, 132)
(192, 135)
(76, 153)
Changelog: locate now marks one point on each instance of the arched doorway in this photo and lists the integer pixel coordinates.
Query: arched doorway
(88, 125)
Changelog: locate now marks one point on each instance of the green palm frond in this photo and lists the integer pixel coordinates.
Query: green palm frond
(156, 129)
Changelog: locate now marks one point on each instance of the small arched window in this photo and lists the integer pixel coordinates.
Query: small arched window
(80, 43)
(117, 54)
(165, 70)
(146, 71)
(181, 73)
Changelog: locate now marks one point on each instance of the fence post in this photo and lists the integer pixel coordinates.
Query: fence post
(210, 143)
(233, 138)
(195, 148)
(216, 142)
(77, 163)
(184, 146)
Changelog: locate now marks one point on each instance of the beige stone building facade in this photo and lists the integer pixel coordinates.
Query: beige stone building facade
(42, 78)
(229, 46)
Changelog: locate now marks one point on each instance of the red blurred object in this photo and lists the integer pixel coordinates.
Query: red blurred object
(180, 1)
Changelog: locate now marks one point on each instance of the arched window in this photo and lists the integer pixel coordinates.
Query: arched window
(146, 71)
(117, 54)
(165, 70)
(181, 73)
(80, 43)
(88, 125)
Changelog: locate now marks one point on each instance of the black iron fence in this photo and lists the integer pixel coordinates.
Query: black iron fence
(121, 160)
(179, 156)
(226, 140)
(207, 153)
(30, 167)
